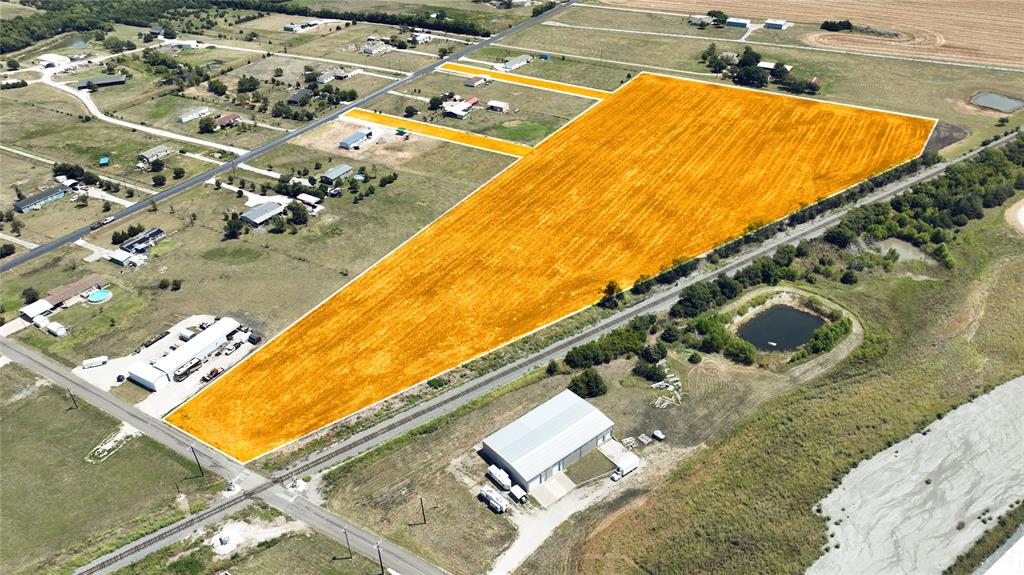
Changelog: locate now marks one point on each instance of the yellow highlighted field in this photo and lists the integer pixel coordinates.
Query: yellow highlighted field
(440, 132)
(664, 168)
(528, 81)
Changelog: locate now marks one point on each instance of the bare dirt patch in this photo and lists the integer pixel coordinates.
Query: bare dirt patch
(1015, 217)
(386, 149)
(986, 31)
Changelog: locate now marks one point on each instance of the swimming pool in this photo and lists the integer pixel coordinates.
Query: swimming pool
(99, 296)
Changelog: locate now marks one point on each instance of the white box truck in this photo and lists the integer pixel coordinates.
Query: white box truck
(626, 464)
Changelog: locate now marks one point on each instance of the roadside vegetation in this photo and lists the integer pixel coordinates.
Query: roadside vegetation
(1006, 526)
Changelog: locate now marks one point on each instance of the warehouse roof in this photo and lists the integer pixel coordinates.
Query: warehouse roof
(339, 171)
(263, 212)
(544, 436)
(41, 196)
(195, 346)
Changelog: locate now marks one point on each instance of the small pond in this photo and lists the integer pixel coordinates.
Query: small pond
(780, 328)
(76, 42)
(997, 102)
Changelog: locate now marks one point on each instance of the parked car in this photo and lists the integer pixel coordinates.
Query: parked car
(213, 373)
(254, 339)
(232, 348)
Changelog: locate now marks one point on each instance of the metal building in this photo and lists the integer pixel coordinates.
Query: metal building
(546, 440)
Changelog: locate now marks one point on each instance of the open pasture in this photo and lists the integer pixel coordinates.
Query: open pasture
(962, 30)
(542, 239)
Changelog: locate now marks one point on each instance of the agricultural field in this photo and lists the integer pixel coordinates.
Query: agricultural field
(926, 89)
(482, 13)
(961, 30)
(635, 225)
(661, 23)
(913, 367)
(60, 510)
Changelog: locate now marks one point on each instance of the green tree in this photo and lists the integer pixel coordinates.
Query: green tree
(217, 87)
(207, 125)
(159, 180)
(849, 277)
(278, 72)
(411, 111)
(6, 250)
(156, 165)
(751, 76)
(435, 103)
(29, 295)
(13, 65)
(106, 205)
(719, 16)
(233, 227)
(248, 84)
(179, 173)
(588, 383)
(299, 213)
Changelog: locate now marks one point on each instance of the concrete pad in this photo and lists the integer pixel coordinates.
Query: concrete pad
(553, 489)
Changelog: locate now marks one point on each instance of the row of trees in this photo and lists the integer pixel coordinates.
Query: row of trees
(927, 215)
(825, 338)
(616, 343)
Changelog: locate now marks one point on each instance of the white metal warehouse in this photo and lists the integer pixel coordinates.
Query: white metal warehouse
(547, 439)
(154, 376)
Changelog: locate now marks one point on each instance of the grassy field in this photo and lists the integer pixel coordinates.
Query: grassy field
(649, 21)
(539, 112)
(745, 505)
(163, 113)
(932, 90)
(46, 122)
(60, 510)
(447, 275)
(12, 9)
(484, 14)
(303, 552)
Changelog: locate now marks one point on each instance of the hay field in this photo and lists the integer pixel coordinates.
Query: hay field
(985, 31)
(664, 168)
(440, 132)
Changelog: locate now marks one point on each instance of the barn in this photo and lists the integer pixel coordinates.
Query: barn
(546, 440)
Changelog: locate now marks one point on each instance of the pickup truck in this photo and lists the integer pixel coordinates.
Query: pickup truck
(213, 373)
(101, 223)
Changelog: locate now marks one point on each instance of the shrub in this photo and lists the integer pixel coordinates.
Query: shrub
(437, 382)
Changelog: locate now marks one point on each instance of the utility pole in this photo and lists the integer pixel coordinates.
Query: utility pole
(423, 512)
(347, 544)
(380, 558)
(73, 400)
(199, 465)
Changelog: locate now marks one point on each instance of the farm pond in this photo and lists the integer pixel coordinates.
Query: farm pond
(780, 328)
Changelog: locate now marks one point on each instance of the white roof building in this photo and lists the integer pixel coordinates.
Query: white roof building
(771, 66)
(147, 376)
(738, 22)
(200, 346)
(547, 439)
(776, 24)
(498, 106)
(36, 308)
(308, 199)
(56, 329)
(53, 61)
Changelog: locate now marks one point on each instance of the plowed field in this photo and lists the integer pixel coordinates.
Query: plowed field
(663, 168)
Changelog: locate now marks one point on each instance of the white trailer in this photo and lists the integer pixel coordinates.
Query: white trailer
(494, 500)
(499, 476)
(518, 495)
(95, 361)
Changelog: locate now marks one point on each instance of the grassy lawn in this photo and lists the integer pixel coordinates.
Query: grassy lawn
(540, 112)
(932, 90)
(163, 113)
(746, 503)
(61, 511)
(593, 464)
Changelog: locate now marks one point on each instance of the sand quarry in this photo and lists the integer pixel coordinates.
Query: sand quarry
(901, 510)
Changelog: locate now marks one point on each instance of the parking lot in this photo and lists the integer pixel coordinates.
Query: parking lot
(159, 403)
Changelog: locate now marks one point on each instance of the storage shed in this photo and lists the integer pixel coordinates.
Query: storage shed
(262, 213)
(498, 106)
(547, 439)
(776, 24)
(336, 173)
(738, 22)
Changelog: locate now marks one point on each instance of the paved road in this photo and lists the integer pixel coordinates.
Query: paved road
(251, 485)
(284, 138)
